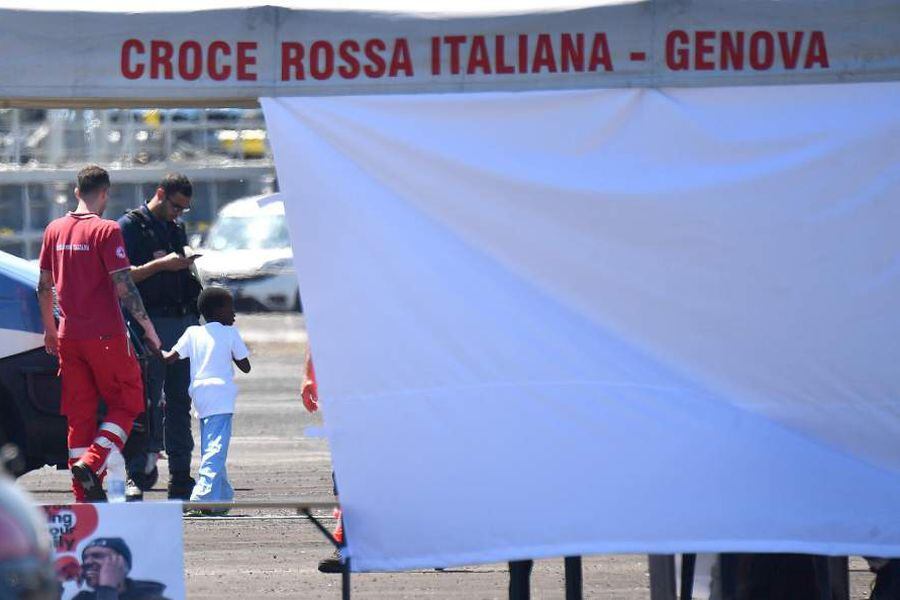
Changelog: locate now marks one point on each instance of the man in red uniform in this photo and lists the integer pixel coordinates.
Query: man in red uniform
(309, 392)
(83, 257)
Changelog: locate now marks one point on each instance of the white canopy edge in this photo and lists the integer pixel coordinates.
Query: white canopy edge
(460, 7)
(231, 57)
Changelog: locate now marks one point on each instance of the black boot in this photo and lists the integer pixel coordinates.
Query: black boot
(181, 484)
(93, 488)
(332, 564)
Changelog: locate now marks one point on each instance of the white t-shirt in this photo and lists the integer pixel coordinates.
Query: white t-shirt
(211, 348)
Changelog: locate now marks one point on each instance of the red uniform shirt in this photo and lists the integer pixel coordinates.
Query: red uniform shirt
(81, 250)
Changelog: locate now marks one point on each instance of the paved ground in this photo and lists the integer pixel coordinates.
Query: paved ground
(253, 557)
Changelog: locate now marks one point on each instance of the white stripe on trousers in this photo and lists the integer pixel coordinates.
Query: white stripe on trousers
(115, 430)
(104, 442)
(76, 452)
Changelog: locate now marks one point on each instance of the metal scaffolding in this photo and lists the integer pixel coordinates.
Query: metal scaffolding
(225, 153)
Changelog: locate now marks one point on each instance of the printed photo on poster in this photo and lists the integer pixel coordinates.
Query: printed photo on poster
(118, 551)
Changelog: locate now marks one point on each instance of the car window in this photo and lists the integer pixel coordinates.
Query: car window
(258, 232)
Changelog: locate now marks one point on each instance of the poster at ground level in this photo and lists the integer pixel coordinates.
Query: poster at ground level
(136, 548)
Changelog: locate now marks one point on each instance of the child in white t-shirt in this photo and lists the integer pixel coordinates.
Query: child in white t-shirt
(213, 348)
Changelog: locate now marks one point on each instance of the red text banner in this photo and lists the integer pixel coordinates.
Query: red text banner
(240, 55)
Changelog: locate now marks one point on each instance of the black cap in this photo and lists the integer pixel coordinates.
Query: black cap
(113, 543)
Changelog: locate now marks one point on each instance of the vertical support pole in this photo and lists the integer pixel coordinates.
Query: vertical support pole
(345, 570)
(17, 135)
(204, 132)
(688, 566)
(662, 576)
(573, 578)
(167, 124)
(103, 136)
(520, 579)
(26, 221)
(345, 580)
(345, 574)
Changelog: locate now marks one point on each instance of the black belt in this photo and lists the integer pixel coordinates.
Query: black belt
(170, 311)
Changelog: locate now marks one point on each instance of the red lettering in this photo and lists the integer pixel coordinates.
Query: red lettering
(377, 66)
(678, 57)
(245, 60)
(762, 50)
(190, 67)
(129, 47)
(732, 51)
(790, 50)
(218, 47)
(321, 60)
(347, 51)
(455, 42)
(543, 54)
(500, 53)
(161, 59)
(523, 53)
(572, 52)
(478, 56)
(291, 57)
(816, 53)
(600, 54)
(703, 48)
(435, 55)
(400, 59)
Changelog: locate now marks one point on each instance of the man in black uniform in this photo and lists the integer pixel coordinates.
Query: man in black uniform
(155, 241)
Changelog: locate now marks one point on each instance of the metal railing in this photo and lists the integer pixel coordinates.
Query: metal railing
(131, 137)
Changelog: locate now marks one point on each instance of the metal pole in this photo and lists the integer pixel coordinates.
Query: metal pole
(662, 576)
(26, 222)
(320, 527)
(345, 580)
(574, 587)
(17, 136)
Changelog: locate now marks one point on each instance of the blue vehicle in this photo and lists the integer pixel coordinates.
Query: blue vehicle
(29, 377)
(29, 384)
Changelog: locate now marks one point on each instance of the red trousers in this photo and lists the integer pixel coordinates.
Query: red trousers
(91, 369)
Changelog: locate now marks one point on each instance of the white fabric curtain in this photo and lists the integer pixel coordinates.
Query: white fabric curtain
(623, 320)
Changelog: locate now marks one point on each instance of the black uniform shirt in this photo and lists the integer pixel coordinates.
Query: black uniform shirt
(148, 238)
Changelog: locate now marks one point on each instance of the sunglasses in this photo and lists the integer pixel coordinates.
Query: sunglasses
(178, 208)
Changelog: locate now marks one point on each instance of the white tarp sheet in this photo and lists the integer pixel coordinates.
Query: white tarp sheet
(619, 320)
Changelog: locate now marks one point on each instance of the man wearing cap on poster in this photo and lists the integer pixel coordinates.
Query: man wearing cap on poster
(105, 564)
(155, 241)
(83, 261)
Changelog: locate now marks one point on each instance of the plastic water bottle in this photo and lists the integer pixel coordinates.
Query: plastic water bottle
(115, 477)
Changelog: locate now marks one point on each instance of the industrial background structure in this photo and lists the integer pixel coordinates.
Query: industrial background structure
(224, 152)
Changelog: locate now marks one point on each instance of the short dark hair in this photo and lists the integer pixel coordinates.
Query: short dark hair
(211, 300)
(91, 180)
(176, 183)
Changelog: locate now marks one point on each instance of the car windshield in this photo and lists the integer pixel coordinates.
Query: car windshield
(257, 232)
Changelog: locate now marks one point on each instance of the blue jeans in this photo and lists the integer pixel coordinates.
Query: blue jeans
(212, 482)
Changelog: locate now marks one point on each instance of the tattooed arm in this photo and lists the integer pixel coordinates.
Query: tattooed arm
(45, 300)
(131, 300)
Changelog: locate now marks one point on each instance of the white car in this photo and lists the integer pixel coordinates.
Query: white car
(248, 250)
